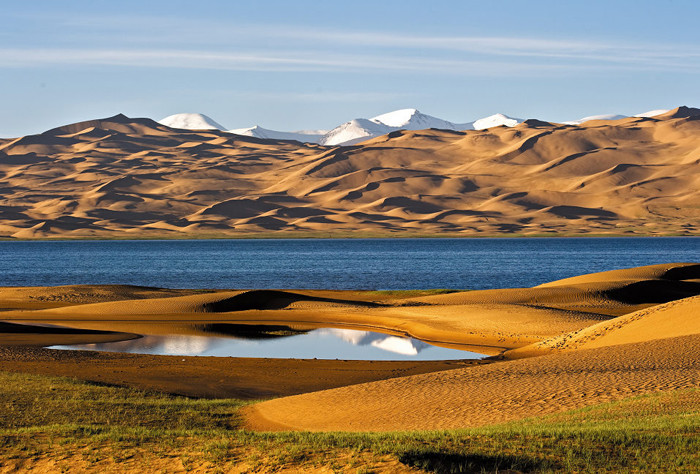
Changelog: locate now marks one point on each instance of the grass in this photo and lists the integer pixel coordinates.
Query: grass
(95, 427)
(410, 293)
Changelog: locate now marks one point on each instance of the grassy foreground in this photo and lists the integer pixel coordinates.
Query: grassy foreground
(56, 424)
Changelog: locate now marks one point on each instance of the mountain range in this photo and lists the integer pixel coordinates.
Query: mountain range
(121, 177)
(361, 129)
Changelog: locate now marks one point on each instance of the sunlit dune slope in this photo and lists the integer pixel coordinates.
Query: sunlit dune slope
(489, 394)
(135, 177)
(673, 319)
(649, 350)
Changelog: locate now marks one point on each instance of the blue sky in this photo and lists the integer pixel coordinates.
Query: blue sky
(290, 65)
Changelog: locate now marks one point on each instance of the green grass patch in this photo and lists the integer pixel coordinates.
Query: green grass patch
(411, 293)
(104, 426)
(31, 401)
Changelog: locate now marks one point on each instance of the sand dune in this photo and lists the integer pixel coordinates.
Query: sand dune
(565, 344)
(652, 349)
(122, 176)
(494, 320)
(491, 393)
(658, 322)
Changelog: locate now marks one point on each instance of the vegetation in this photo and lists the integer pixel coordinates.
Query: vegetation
(57, 423)
(410, 293)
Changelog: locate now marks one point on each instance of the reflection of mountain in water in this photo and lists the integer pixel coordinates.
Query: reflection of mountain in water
(164, 345)
(325, 345)
(398, 345)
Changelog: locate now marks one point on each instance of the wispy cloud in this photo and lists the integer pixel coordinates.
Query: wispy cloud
(312, 61)
(191, 31)
(184, 43)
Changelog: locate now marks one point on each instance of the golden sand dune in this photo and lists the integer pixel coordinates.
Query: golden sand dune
(41, 297)
(122, 176)
(653, 349)
(658, 322)
(610, 293)
(495, 320)
(491, 393)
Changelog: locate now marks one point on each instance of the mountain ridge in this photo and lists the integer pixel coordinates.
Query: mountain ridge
(361, 129)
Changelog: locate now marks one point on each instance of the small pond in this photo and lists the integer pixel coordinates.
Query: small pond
(327, 343)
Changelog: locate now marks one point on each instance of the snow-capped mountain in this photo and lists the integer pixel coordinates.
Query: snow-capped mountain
(412, 119)
(355, 131)
(191, 122)
(595, 117)
(495, 120)
(359, 130)
(652, 113)
(307, 136)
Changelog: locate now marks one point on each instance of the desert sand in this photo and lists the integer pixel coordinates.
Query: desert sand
(648, 350)
(564, 344)
(494, 320)
(492, 393)
(123, 177)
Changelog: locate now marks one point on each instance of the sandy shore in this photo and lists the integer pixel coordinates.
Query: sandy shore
(212, 377)
(561, 345)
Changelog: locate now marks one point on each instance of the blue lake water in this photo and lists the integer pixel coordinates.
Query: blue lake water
(333, 263)
(344, 344)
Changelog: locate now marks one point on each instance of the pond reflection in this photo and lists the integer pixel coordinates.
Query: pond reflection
(327, 343)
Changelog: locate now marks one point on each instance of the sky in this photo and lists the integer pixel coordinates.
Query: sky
(291, 65)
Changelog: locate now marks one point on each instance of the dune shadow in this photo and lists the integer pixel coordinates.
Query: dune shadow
(272, 299)
(15, 328)
(654, 291)
(685, 272)
(251, 331)
(434, 461)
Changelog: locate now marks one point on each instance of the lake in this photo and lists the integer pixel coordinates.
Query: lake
(396, 264)
(328, 343)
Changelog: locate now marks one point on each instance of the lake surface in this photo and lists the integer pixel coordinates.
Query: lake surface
(344, 344)
(396, 264)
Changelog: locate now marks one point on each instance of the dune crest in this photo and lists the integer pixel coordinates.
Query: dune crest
(673, 319)
(135, 177)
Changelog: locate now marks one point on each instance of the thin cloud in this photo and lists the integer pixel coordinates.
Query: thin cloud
(181, 34)
(305, 61)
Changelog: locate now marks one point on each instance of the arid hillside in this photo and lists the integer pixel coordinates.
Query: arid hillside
(121, 177)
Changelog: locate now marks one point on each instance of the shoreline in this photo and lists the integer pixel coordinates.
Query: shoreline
(342, 236)
(244, 378)
(593, 310)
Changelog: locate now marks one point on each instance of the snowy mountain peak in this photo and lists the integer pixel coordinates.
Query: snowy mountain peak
(355, 131)
(595, 117)
(361, 129)
(652, 113)
(412, 119)
(495, 120)
(259, 132)
(397, 118)
(191, 122)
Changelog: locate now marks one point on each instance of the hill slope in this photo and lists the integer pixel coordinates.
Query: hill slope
(121, 176)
